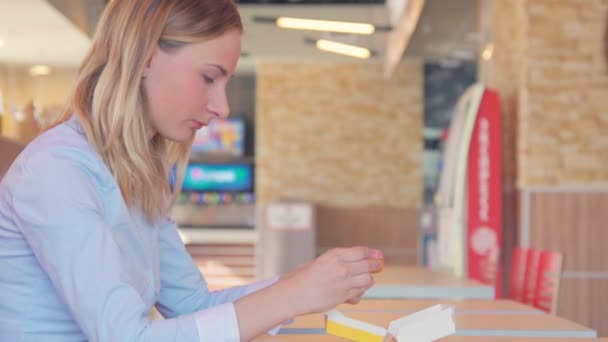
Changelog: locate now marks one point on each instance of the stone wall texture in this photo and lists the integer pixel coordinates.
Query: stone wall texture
(339, 134)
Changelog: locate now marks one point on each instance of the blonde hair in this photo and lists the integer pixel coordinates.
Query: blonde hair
(108, 99)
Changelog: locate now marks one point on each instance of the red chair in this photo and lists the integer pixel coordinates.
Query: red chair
(529, 284)
(548, 277)
(516, 278)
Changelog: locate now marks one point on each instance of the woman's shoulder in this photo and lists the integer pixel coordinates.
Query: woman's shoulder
(61, 147)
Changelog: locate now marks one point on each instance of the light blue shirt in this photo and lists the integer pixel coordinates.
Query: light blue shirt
(77, 264)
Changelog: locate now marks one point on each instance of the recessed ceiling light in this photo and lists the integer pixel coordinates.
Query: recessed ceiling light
(325, 25)
(343, 49)
(1, 43)
(40, 70)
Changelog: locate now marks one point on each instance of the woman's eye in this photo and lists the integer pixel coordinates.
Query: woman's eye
(208, 79)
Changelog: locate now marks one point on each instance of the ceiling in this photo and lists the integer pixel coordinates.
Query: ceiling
(34, 31)
(447, 29)
(265, 40)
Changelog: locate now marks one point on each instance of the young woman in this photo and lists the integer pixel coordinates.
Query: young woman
(86, 247)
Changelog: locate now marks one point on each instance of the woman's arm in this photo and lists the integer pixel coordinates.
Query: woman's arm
(260, 307)
(338, 276)
(58, 206)
(183, 287)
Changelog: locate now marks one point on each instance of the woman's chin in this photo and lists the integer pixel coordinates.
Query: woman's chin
(180, 137)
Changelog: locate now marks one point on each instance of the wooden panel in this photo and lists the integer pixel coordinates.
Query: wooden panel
(8, 152)
(194, 215)
(585, 301)
(393, 230)
(422, 277)
(575, 224)
(510, 214)
(224, 265)
(220, 250)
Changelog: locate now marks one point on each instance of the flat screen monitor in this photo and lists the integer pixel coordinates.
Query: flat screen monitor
(218, 178)
(225, 137)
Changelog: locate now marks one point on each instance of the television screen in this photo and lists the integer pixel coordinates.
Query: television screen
(220, 177)
(221, 137)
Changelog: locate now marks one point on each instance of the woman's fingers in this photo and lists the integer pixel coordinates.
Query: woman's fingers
(365, 266)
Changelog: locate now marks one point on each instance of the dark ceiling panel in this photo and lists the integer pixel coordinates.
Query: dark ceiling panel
(82, 13)
(311, 2)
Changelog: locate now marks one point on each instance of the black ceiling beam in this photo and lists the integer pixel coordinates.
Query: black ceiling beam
(311, 2)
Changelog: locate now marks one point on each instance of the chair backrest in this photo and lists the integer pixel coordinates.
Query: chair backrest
(9, 150)
(518, 269)
(548, 277)
(532, 259)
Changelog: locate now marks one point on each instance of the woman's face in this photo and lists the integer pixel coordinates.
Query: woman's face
(186, 88)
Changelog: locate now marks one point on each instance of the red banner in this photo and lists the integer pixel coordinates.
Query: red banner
(484, 192)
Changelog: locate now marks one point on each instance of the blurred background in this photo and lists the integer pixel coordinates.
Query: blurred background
(328, 149)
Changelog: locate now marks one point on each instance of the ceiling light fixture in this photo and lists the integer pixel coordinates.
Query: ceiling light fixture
(40, 70)
(325, 25)
(1, 43)
(488, 52)
(343, 49)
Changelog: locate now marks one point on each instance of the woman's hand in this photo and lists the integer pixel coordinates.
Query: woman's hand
(340, 275)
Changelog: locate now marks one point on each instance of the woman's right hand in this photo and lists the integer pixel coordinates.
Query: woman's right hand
(340, 275)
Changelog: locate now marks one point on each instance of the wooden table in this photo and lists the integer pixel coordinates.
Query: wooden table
(420, 283)
(466, 325)
(329, 338)
(478, 306)
(517, 339)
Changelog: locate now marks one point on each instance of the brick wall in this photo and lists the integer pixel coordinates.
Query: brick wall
(339, 134)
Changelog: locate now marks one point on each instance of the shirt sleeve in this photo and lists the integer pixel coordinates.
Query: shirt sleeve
(58, 206)
(183, 287)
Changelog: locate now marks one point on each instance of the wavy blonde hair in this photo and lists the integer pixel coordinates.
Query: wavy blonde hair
(108, 99)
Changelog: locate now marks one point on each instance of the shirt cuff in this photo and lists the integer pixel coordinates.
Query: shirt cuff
(260, 285)
(218, 323)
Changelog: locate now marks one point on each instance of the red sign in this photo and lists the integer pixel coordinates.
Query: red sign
(484, 192)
